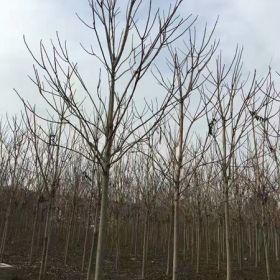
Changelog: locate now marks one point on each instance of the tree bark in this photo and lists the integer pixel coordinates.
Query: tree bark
(227, 236)
(265, 243)
(169, 242)
(145, 246)
(175, 236)
(35, 224)
(90, 271)
(5, 230)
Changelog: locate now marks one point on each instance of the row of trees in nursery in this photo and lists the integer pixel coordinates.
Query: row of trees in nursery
(189, 179)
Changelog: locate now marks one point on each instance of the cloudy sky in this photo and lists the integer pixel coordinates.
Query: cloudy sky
(253, 23)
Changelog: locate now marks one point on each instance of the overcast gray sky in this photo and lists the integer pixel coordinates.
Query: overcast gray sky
(251, 23)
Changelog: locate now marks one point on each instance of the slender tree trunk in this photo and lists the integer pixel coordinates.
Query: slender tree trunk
(90, 271)
(145, 246)
(219, 245)
(276, 244)
(265, 243)
(250, 240)
(5, 230)
(185, 239)
(109, 137)
(227, 236)
(169, 242)
(102, 225)
(39, 235)
(207, 239)
(240, 243)
(136, 235)
(35, 224)
(46, 243)
(69, 231)
(256, 244)
(175, 236)
(86, 236)
(117, 241)
(192, 245)
(198, 245)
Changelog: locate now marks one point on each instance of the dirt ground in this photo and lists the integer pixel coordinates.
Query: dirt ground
(130, 269)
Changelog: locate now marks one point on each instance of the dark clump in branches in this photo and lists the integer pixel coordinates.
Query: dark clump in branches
(211, 126)
(258, 117)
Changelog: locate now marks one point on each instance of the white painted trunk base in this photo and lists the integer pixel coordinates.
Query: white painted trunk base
(7, 272)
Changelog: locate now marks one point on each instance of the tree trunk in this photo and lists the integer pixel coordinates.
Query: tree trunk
(90, 271)
(256, 245)
(198, 245)
(35, 224)
(185, 239)
(46, 242)
(175, 236)
(265, 243)
(207, 239)
(136, 235)
(69, 230)
(117, 241)
(145, 246)
(276, 244)
(227, 236)
(169, 242)
(5, 230)
(86, 236)
(240, 244)
(219, 244)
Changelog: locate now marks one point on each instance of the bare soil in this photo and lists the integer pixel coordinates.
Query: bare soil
(130, 269)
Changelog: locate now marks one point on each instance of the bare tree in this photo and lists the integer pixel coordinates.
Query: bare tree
(228, 126)
(125, 55)
(187, 66)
